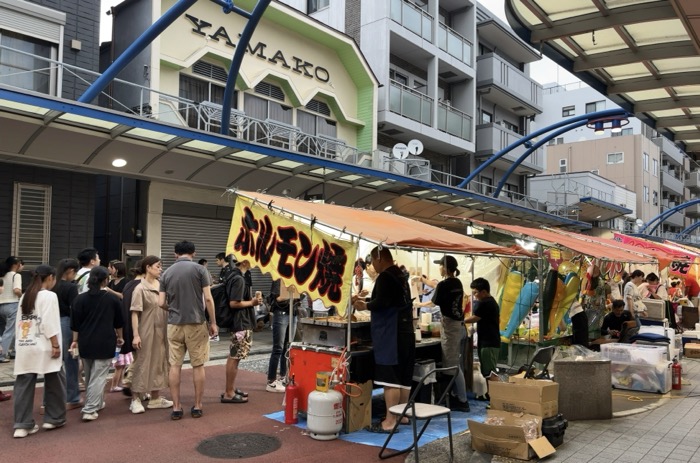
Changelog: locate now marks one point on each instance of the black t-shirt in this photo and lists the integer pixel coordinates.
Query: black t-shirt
(611, 322)
(66, 291)
(95, 316)
(391, 291)
(487, 328)
(239, 290)
(128, 331)
(449, 296)
(118, 287)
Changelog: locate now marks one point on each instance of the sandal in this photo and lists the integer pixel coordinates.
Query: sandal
(241, 393)
(196, 412)
(378, 429)
(176, 414)
(236, 399)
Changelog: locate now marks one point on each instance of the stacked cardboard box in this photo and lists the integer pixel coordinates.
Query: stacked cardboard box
(513, 403)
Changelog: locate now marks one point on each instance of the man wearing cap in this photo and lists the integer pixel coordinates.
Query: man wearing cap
(243, 305)
(449, 297)
(185, 292)
(393, 339)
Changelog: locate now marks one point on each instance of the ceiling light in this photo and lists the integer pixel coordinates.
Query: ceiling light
(119, 162)
(599, 128)
(387, 209)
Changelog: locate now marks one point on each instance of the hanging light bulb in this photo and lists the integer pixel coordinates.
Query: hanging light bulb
(599, 129)
(616, 126)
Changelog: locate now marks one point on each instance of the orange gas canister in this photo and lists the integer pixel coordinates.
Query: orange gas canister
(291, 403)
(676, 371)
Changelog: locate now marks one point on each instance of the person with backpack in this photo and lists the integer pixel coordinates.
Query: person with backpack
(67, 291)
(243, 304)
(88, 259)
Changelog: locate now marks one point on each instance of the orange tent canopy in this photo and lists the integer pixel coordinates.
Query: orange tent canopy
(575, 242)
(383, 227)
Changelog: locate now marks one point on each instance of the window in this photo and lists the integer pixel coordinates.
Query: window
(655, 198)
(200, 90)
(595, 106)
(313, 6)
(486, 186)
(31, 223)
(655, 170)
(556, 141)
(24, 71)
(262, 109)
(645, 194)
(398, 77)
(645, 162)
(616, 158)
(510, 126)
(563, 166)
(568, 111)
(486, 117)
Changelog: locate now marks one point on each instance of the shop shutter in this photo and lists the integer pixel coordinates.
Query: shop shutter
(209, 237)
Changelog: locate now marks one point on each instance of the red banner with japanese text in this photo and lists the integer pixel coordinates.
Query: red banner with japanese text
(303, 256)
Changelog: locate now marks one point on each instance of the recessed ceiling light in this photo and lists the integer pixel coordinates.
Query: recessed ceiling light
(388, 208)
(119, 162)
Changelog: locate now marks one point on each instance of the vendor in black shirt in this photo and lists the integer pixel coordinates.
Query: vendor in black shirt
(486, 315)
(615, 322)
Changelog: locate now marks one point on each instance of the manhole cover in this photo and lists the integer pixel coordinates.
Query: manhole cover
(237, 446)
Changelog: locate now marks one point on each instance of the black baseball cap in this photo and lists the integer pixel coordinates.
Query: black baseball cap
(448, 262)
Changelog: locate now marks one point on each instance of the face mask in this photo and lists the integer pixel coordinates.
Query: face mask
(653, 287)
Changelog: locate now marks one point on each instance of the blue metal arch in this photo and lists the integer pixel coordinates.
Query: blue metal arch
(537, 133)
(666, 214)
(160, 25)
(532, 149)
(691, 228)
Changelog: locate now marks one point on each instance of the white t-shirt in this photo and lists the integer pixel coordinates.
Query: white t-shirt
(631, 292)
(11, 281)
(82, 280)
(33, 336)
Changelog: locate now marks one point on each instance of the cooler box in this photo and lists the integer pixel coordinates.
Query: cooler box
(655, 308)
(634, 353)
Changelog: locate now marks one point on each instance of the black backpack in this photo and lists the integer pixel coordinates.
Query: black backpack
(222, 310)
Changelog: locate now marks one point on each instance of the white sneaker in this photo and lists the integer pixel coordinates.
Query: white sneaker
(50, 426)
(274, 386)
(104, 404)
(160, 402)
(90, 416)
(20, 433)
(136, 406)
(214, 338)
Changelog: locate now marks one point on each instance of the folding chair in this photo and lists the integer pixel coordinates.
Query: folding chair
(543, 356)
(415, 411)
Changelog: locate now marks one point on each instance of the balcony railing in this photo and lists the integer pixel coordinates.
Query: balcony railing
(454, 44)
(410, 103)
(207, 116)
(413, 18)
(454, 122)
(491, 69)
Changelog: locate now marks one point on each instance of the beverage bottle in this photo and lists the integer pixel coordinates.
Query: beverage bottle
(117, 350)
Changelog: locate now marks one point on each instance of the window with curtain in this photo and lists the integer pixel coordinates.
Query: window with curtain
(24, 71)
(315, 5)
(199, 90)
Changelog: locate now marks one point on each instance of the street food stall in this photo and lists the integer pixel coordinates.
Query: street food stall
(312, 248)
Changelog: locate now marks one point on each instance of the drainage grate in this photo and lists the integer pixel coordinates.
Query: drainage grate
(238, 446)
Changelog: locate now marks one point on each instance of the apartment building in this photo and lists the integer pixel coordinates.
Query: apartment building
(635, 158)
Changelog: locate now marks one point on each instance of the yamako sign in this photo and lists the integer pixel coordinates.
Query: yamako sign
(301, 255)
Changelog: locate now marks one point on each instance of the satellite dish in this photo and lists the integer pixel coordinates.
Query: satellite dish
(415, 147)
(639, 222)
(400, 151)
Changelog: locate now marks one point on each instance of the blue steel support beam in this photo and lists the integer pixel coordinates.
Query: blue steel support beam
(134, 49)
(241, 48)
(531, 150)
(691, 228)
(666, 214)
(507, 149)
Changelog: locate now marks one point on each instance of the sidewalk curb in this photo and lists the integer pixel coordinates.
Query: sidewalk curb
(217, 356)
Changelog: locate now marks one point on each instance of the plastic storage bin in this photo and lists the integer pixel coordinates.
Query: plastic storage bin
(641, 377)
(634, 353)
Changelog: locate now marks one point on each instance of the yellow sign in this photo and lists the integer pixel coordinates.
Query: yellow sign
(309, 259)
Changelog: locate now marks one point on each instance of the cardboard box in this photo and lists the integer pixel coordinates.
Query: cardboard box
(692, 350)
(519, 395)
(508, 440)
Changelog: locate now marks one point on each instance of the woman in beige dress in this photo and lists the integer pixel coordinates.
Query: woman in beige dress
(149, 323)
